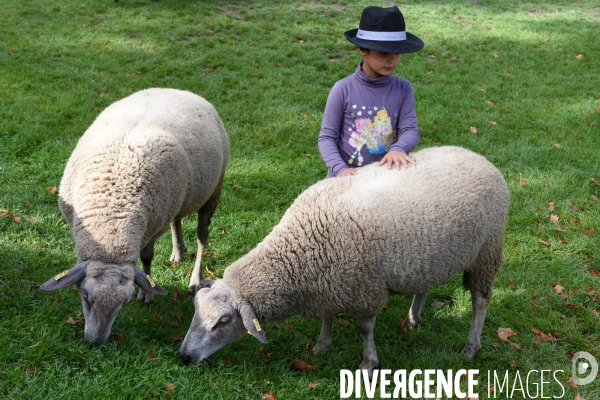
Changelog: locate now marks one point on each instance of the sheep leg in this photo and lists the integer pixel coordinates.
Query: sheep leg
(370, 362)
(480, 304)
(178, 244)
(204, 216)
(324, 341)
(146, 256)
(416, 308)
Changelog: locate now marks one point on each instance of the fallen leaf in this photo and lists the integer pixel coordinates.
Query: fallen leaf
(598, 108)
(493, 123)
(237, 187)
(312, 385)
(554, 218)
(288, 327)
(559, 229)
(551, 206)
(343, 322)
(483, 90)
(580, 397)
(513, 364)
(179, 314)
(152, 356)
(309, 345)
(571, 305)
(558, 288)
(260, 350)
(438, 304)
(137, 72)
(594, 181)
(594, 273)
(269, 396)
(515, 346)
(473, 130)
(574, 207)
(176, 295)
(542, 336)
(75, 320)
(572, 382)
(521, 181)
(29, 372)
(496, 55)
(302, 366)
(178, 338)
(557, 145)
(52, 189)
(169, 387)
(505, 333)
(228, 360)
(579, 56)
(491, 103)
(544, 242)
(56, 301)
(512, 283)
(12, 52)
(17, 219)
(594, 197)
(589, 233)
(119, 337)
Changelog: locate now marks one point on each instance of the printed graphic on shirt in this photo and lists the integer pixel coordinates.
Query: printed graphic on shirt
(376, 135)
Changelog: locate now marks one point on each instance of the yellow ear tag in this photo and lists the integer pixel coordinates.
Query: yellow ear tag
(150, 280)
(256, 325)
(61, 275)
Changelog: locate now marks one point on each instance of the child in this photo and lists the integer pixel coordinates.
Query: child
(370, 115)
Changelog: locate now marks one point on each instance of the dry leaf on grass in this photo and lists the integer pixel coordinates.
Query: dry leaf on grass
(542, 336)
(119, 337)
(302, 366)
(558, 288)
(169, 387)
(269, 396)
(505, 333)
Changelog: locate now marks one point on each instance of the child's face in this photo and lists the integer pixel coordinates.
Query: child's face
(377, 64)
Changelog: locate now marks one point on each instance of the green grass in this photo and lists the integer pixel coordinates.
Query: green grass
(268, 67)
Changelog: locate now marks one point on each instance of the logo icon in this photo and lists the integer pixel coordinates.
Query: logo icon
(584, 368)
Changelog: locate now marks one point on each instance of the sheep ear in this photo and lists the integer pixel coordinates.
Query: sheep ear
(147, 283)
(67, 278)
(251, 322)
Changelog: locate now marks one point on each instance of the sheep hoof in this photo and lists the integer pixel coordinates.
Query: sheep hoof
(176, 256)
(469, 351)
(410, 323)
(192, 289)
(369, 366)
(145, 297)
(321, 347)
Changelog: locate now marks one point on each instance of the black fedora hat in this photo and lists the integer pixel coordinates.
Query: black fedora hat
(384, 29)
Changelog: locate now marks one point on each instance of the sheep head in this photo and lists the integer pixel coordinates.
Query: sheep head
(104, 289)
(222, 316)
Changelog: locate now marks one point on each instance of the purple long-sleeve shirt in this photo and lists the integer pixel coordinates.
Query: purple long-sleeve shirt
(365, 118)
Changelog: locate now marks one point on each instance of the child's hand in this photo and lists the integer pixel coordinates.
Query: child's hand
(348, 172)
(397, 158)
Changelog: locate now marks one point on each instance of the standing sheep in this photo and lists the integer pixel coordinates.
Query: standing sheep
(345, 244)
(147, 161)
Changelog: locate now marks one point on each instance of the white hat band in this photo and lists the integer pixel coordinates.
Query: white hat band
(381, 36)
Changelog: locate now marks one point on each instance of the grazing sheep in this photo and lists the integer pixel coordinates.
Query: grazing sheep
(347, 243)
(147, 161)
